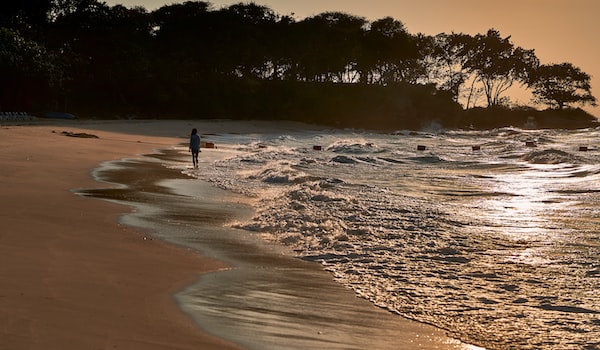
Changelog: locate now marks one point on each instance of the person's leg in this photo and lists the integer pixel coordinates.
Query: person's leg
(195, 156)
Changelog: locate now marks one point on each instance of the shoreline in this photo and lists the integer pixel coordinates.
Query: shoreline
(71, 275)
(166, 323)
(269, 299)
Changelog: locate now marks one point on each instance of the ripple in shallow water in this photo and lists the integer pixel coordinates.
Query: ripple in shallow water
(475, 244)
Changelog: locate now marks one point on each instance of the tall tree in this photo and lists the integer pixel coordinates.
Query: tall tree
(182, 41)
(104, 48)
(387, 49)
(282, 53)
(498, 64)
(329, 45)
(28, 16)
(445, 56)
(26, 69)
(248, 34)
(560, 85)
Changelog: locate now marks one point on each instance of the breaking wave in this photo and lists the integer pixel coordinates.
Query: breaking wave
(498, 246)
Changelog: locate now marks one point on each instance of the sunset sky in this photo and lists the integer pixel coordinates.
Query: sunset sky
(558, 30)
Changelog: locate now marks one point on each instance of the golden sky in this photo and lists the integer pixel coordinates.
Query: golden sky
(558, 30)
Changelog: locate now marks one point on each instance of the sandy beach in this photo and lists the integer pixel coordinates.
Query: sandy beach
(71, 277)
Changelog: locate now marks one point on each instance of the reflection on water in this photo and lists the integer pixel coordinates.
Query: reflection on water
(530, 256)
(499, 246)
(524, 213)
(268, 300)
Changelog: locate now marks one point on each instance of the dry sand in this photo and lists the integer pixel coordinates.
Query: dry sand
(71, 277)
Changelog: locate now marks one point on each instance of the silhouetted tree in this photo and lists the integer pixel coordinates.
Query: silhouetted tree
(245, 60)
(560, 85)
(445, 57)
(387, 50)
(184, 37)
(103, 48)
(29, 17)
(248, 34)
(330, 46)
(26, 69)
(498, 64)
(282, 52)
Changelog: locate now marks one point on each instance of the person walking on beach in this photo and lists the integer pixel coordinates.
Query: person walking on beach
(195, 146)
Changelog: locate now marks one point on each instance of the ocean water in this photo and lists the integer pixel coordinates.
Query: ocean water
(493, 236)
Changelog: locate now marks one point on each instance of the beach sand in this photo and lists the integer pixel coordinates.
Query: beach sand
(72, 277)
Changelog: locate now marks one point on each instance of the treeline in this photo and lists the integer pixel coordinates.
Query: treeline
(246, 61)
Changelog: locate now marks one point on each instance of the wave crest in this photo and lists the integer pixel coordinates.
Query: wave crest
(549, 156)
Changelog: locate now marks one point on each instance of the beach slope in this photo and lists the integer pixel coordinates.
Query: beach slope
(71, 277)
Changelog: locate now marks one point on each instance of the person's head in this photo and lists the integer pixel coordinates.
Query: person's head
(194, 131)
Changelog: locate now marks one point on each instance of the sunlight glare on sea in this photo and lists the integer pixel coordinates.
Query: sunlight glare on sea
(498, 245)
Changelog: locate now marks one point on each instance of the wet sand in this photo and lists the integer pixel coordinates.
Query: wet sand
(73, 277)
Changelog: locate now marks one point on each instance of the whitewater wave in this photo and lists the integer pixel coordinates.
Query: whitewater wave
(550, 156)
(483, 244)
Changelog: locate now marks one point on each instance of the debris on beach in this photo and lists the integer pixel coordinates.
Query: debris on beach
(78, 134)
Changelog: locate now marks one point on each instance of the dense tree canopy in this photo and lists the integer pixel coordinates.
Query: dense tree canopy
(246, 60)
(25, 67)
(445, 56)
(559, 85)
(497, 64)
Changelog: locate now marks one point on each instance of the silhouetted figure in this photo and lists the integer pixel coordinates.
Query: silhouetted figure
(195, 146)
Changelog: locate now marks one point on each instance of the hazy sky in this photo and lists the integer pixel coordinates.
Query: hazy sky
(558, 30)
